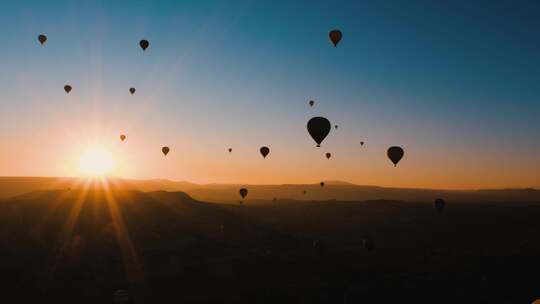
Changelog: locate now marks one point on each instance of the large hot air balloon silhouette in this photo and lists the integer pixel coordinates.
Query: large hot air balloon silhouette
(122, 137)
(439, 205)
(318, 128)
(311, 103)
(243, 192)
(42, 39)
(264, 151)
(67, 88)
(144, 44)
(335, 36)
(368, 244)
(395, 154)
(165, 150)
(132, 90)
(328, 155)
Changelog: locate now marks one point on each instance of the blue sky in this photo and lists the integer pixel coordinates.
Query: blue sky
(456, 84)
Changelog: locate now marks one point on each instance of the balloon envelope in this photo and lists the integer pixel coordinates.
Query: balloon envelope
(395, 154)
(335, 36)
(439, 205)
(361, 143)
(122, 137)
(165, 150)
(243, 192)
(318, 128)
(264, 151)
(328, 155)
(42, 39)
(311, 103)
(132, 90)
(67, 88)
(322, 184)
(144, 44)
(230, 150)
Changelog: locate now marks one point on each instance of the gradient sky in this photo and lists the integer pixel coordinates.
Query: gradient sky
(456, 84)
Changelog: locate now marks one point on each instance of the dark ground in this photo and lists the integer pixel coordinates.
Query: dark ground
(264, 252)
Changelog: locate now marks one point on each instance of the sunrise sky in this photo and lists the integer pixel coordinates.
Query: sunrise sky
(456, 85)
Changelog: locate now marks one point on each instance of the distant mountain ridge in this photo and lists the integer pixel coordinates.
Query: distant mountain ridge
(333, 190)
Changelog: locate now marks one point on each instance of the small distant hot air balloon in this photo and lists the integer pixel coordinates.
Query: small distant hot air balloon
(132, 90)
(311, 103)
(67, 88)
(230, 150)
(144, 44)
(368, 244)
(395, 154)
(336, 126)
(335, 36)
(322, 184)
(122, 137)
(361, 143)
(243, 192)
(165, 150)
(318, 128)
(42, 39)
(264, 151)
(439, 205)
(328, 155)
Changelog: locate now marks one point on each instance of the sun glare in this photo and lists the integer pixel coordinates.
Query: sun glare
(96, 162)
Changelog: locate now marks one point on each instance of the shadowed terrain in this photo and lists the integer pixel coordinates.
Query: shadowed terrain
(81, 246)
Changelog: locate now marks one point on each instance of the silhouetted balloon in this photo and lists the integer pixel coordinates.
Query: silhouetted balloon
(165, 150)
(42, 39)
(368, 244)
(439, 205)
(230, 149)
(322, 184)
(311, 103)
(395, 154)
(328, 155)
(122, 137)
(336, 126)
(144, 44)
(67, 88)
(318, 128)
(264, 151)
(132, 90)
(335, 36)
(361, 143)
(243, 192)
(121, 296)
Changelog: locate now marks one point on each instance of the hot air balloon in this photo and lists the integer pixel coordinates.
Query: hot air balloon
(311, 103)
(335, 37)
(132, 90)
(122, 137)
(264, 151)
(322, 184)
(336, 126)
(361, 143)
(328, 155)
(230, 149)
(243, 192)
(67, 88)
(395, 154)
(439, 205)
(144, 44)
(165, 150)
(368, 244)
(42, 39)
(318, 128)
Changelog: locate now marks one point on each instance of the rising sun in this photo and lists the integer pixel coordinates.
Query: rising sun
(96, 162)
